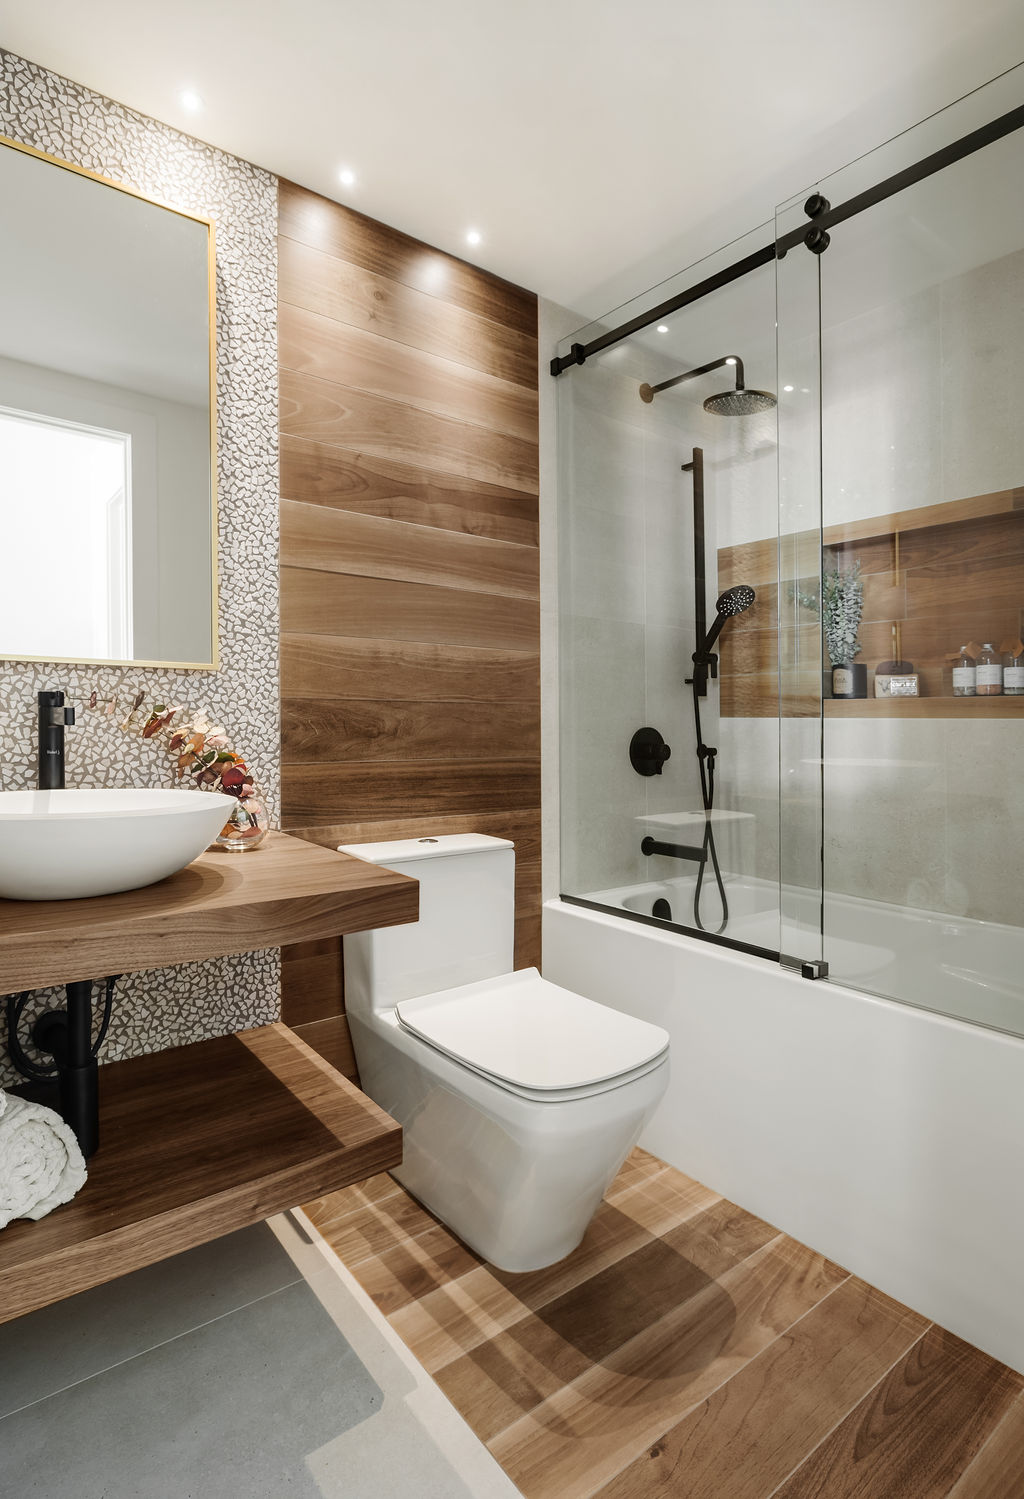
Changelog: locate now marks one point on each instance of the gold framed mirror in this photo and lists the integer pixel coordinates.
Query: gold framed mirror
(107, 421)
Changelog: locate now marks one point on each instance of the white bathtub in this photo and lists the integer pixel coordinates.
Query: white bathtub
(888, 1137)
(969, 970)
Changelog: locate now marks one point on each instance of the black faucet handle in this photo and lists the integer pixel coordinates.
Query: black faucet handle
(59, 718)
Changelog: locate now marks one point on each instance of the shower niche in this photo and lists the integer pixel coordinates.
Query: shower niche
(852, 471)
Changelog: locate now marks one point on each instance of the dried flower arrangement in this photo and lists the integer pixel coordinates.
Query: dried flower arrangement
(203, 756)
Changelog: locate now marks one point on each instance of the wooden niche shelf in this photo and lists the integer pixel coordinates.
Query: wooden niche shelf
(199, 1140)
(941, 574)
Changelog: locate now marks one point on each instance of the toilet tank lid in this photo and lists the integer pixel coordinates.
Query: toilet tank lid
(407, 850)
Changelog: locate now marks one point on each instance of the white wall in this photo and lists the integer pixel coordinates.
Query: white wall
(171, 528)
(888, 1138)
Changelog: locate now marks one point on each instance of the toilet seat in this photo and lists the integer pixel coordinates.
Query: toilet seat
(533, 1038)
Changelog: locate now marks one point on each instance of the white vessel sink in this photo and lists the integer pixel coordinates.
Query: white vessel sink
(61, 845)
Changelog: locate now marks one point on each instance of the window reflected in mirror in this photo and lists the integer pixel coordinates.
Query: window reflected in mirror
(106, 437)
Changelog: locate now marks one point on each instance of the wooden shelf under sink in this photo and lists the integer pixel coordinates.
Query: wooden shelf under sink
(196, 1142)
(285, 891)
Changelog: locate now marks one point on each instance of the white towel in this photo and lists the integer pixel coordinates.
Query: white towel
(41, 1165)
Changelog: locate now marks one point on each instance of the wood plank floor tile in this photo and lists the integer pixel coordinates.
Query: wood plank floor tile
(638, 1166)
(686, 1349)
(911, 1436)
(997, 1470)
(746, 1439)
(413, 1268)
(510, 1375)
(582, 1436)
(351, 1199)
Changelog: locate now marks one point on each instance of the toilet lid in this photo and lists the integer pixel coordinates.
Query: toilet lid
(525, 1031)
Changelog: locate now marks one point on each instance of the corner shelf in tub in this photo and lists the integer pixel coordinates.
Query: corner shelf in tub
(199, 1140)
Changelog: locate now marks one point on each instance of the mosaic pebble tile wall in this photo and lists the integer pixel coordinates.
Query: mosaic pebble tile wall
(173, 1006)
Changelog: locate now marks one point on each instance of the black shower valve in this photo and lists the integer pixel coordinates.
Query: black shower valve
(648, 752)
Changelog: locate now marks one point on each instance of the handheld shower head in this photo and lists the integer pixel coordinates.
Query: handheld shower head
(735, 600)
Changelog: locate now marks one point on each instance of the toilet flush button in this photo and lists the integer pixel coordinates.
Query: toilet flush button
(428, 840)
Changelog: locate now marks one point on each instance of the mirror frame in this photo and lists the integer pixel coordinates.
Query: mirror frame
(214, 663)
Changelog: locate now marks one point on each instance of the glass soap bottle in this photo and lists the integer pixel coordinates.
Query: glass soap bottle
(965, 675)
(1013, 671)
(989, 676)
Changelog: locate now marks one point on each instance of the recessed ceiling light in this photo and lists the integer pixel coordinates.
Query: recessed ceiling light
(190, 100)
(347, 177)
(787, 388)
(663, 327)
(473, 236)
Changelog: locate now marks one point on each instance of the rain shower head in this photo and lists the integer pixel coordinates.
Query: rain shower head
(738, 402)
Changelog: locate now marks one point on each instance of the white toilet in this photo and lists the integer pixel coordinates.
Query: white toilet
(519, 1100)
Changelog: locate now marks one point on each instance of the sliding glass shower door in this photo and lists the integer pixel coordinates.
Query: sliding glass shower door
(668, 503)
(914, 378)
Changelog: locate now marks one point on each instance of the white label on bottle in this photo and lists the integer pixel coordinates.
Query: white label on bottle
(990, 675)
(1013, 676)
(964, 676)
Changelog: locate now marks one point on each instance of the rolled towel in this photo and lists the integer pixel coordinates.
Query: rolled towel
(41, 1165)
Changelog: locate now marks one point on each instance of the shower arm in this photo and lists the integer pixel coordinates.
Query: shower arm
(704, 369)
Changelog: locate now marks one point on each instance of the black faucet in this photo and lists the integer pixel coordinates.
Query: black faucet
(53, 716)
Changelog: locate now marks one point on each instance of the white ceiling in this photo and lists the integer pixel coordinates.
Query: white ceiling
(598, 145)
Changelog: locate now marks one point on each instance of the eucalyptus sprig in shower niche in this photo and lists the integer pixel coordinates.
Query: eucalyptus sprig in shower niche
(839, 607)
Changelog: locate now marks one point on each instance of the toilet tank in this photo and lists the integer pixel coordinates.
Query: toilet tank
(466, 927)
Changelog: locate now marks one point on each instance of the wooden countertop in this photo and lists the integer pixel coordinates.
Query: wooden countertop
(194, 1143)
(285, 891)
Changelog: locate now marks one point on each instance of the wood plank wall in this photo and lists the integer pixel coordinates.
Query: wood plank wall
(410, 675)
(946, 574)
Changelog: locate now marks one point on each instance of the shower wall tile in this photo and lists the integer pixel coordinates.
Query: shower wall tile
(881, 409)
(607, 566)
(749, 782)
(603, 662)
(607, 461)
(885, 810)
(984, 820)
(982, 372)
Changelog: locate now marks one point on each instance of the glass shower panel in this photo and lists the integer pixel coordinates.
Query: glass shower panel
(799, 588)
(922, 485)
(644, 462)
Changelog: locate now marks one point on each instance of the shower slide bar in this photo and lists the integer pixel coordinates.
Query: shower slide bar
(815, 236)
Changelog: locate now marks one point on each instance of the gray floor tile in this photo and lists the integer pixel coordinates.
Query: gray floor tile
(74, 1339)
(229, 1411)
